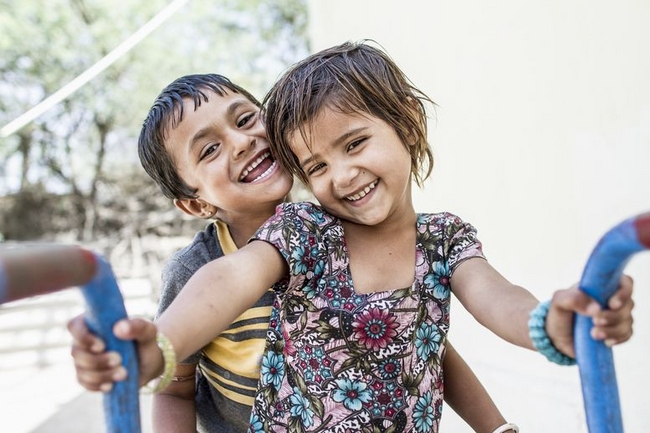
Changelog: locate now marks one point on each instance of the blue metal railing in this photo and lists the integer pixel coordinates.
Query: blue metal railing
(43, 270)
(600, 280)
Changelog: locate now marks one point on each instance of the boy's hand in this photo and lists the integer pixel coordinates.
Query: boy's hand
(614, 325)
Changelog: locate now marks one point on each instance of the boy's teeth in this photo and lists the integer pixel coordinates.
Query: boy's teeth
(363, 193)
(253, 165)
(266, 173)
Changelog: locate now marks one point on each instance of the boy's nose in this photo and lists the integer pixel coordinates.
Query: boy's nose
(242, 143)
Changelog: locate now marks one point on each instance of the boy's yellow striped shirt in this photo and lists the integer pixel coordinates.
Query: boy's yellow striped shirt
(236, 354)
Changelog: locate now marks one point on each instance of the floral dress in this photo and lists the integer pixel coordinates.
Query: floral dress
(338, 361)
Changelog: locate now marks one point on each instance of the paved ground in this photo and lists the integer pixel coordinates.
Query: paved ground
(38, 390)
(39, 394)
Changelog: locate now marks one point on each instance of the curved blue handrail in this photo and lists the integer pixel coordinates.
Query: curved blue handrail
(105, 307)
(600, 280)
(30, 271)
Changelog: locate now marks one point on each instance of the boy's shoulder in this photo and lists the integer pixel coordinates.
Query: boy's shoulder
(204, 248)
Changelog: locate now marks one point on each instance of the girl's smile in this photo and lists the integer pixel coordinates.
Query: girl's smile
(357, 167)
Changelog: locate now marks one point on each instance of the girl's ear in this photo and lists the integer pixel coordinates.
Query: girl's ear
(196, 207)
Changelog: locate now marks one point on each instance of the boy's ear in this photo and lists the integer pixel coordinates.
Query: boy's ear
(196, 207)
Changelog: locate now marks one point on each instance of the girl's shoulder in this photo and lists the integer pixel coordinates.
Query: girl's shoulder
(441, 220)
(304, 210)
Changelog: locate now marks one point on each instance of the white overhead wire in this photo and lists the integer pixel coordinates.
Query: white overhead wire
(93, 71)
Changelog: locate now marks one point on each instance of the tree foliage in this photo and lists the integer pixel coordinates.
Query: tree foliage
(77, 163)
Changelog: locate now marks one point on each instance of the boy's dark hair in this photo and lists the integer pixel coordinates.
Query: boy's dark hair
(167, 112)
(350, 78)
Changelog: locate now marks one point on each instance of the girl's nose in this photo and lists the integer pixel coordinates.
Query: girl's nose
(342, 175)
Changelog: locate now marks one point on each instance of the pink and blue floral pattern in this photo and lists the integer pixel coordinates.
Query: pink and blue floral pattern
(338, 361)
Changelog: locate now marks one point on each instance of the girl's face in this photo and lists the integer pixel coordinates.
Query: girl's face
(357, 167)
(221, 149)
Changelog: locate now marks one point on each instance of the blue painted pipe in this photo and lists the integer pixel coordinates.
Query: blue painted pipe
(35, 270)
(600, 280)
(105, 307)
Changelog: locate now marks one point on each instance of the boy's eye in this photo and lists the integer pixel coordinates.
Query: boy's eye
(208, 150)
(244, 120)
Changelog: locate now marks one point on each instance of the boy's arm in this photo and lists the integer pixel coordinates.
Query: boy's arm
(173, 409)
(465, 394)
(504, 308)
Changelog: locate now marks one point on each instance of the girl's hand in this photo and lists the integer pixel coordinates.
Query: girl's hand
(143, 332)
(96, 369)
(613, 325)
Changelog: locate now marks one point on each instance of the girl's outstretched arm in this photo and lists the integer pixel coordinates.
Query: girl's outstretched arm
(504, 308)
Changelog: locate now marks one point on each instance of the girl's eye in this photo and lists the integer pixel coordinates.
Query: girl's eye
(355, 143)
(245, 120)
(209, 150)
(315, 168)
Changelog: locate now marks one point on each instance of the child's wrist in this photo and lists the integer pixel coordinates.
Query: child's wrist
(169, 364)
(507, 427)
(539, 336)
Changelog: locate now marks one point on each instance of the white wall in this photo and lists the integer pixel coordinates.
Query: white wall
(542, 140)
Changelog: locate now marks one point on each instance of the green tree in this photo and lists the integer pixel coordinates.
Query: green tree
(81, 147)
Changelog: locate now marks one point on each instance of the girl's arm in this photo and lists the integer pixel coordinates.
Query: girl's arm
(504, 308)
(494, 302)
(465, 394)
(212, 298)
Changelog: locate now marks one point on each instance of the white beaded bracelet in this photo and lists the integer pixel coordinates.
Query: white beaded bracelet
(507, 427)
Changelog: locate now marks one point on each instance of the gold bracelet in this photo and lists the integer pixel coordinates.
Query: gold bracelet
(169, 358)
(184, 378)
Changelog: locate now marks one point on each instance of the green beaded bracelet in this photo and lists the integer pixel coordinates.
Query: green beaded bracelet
(169, 359)
(541, 342)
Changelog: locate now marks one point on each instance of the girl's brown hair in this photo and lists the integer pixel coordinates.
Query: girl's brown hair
(351, 78)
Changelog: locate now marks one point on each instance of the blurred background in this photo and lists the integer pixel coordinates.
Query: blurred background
(541, 137)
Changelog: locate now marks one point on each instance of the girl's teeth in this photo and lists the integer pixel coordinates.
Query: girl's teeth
(363, 193)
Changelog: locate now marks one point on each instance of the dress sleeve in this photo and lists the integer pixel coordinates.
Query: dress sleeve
(461, 241)
(284, 228)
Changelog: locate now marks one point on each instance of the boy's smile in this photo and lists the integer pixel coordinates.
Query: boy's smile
(221, 149)
(260, 168)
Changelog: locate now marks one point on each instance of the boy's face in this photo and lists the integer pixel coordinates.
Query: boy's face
(357, 166)
(221, 149)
